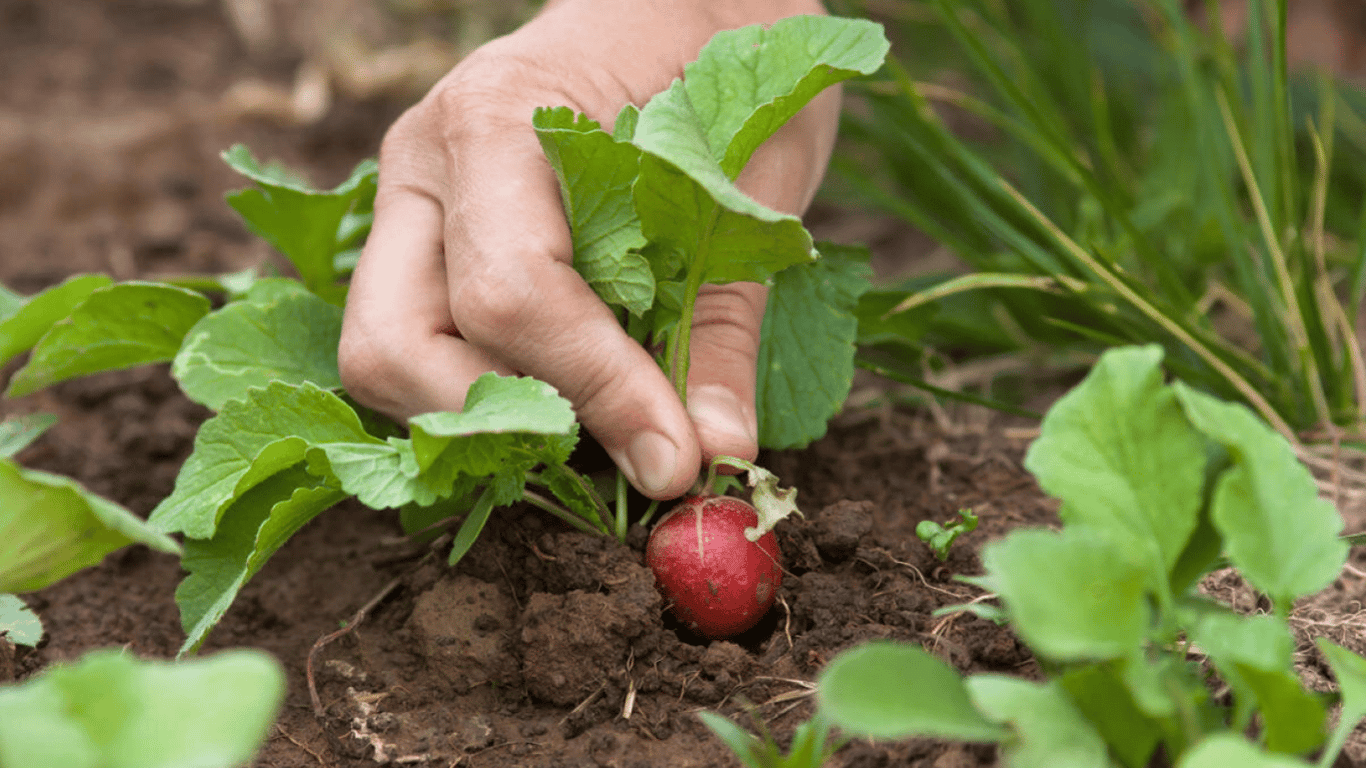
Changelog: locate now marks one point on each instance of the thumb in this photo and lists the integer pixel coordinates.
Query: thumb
(721, 375)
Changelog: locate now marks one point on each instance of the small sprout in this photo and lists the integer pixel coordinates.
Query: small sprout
(940, 537)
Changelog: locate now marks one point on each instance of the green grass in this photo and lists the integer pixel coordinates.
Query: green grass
(1112, 173)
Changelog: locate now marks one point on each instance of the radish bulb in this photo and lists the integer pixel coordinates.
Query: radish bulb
(715, 558)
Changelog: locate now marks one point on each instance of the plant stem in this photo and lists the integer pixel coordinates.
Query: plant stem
(679, 348)
(621, 506)
(541, 502)
(650, 512)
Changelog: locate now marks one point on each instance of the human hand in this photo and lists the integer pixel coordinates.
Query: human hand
(468, 267)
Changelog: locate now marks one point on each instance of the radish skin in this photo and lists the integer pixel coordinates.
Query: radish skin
(714, 579)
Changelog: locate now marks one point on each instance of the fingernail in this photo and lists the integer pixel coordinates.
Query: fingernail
(717, 409)
(650, 462)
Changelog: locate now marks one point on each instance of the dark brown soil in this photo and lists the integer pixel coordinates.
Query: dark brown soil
(544, 647)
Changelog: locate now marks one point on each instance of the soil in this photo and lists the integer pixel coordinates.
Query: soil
(544, 647)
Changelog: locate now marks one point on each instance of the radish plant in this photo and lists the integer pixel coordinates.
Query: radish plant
(1159, 484)
(655, 215)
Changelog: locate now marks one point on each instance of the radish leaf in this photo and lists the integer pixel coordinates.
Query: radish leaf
(290, 337)
(1049, 729)
(110, 710)
(1277, 530)
(18, 432)
(23, 321)
(51, 527)
(115, 327)
(806, 347)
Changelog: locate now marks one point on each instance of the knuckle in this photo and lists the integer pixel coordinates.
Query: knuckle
(491, 304)
(365, 363)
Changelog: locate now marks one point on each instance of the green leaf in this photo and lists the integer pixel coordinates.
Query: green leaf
(23, 321)
(1349, 670)
(1254, 655)
(1281, 536)
(596, 173)
(748, 82)
(290, 338)
(249, 441)
(116, 327)
(688, 206)
(473, 526)
(1103, 698)
(252, 529)
(18, 432)
(51, 527)
(110, 710)
(747, 748)
(806, 346)
(1121, 456)
(304, 224)
(18, 623)
(887, 690)
(1048, 728)
(1223, 750)
(939, 538)
(1076, 595)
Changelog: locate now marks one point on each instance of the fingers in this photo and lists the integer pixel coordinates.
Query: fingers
(721, 377)
(513, 289)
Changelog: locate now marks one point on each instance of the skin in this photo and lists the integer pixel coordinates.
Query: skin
(468, 268)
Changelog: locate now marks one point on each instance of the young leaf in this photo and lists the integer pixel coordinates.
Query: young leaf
(939, 538)
(473, 525)
(1349, 670)
(51, 527)
(596, 172)
(886, 690)
(116, 327)
(302, 223)
(110, 710)
(1072, 596)
(748, 82)
(290, 338)
(24, 320)
(806, 346)
(18, 432)
(18, 623)
(1226, 749)
(1103, 699)
(1276, 529)
(253, 528)
(1049, 729)
(249, 441)
(1121, 456)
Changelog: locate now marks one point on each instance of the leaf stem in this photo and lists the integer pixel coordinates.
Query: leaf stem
(679, 351)
(650, 512)
(621, 506)
(541, 502)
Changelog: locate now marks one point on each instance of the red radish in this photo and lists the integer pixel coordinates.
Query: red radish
(716, 580)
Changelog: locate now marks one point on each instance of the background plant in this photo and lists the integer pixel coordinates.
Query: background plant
(1159, 484)
(1133, 177)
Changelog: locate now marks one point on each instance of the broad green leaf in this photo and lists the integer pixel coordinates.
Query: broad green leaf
(18, 432)
(1103, 699)
(1254, 655)
(18, 623)
(292, 338)
(110, 710)
(688, 206)
(1121, 456)
(252, 529)
(1226, 750)
(116, 327)
(247, 442)
(51, 527)
(23, 321)
(806, 346)
(1281, 536)
(1048, 728)
(888, 690)
(502, 413)
(1349, 670)
(1077, 595)
(596, 173)
(748, 82)
(303, 223)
